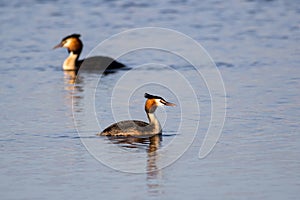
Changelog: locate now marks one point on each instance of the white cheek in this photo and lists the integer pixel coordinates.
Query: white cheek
(68, 42)
(158, 103)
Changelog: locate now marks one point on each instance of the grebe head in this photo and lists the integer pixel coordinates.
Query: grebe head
(72, 43)
(154, 101)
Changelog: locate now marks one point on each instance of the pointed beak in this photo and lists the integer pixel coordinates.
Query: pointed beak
(169, 104)
(57, 46)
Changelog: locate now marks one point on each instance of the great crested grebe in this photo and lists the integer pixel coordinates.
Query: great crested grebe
(74, 46)
(136, 127)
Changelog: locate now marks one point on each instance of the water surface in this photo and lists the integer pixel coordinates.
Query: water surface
(255, 45)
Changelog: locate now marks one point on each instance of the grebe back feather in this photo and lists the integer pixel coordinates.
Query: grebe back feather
(74, 46)
(136, 127)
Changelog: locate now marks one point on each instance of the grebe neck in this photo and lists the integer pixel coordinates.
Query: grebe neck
(154, 122)
(70, 62)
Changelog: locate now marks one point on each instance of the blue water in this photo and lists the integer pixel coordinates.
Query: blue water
(47, 135)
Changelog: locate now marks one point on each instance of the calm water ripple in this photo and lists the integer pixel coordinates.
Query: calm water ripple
(255, 45)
